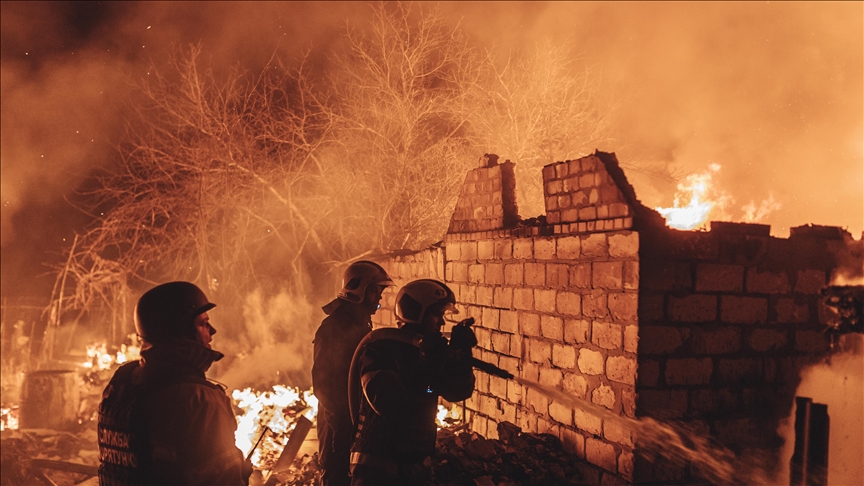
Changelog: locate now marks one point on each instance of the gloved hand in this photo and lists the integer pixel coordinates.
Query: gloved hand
(433, 348)
(462, 336)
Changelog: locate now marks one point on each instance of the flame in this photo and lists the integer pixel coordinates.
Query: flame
(98, 357)
(446, 417)
(9, 418)
(695, 189)
(272, 411)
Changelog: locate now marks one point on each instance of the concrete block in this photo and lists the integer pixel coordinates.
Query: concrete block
(648, 372)
(557, 275)
(486, 249)
(576, 331)
(810, 341)
(631, 338)
(588, 422)
(544, 248)
(575, 384)
(535, 274)
(523, 249)
(723, 340)
(621, 369)
(762, 340)
(624, 245)
(502, 297)
(651, 308)
(537, 402)
(503, 248)
(625, 466)
(767, 282)
(719, 278)
(623, 307)
(595, 246)
(580, 275)
(789, 311)
(561, 413)
(569, 247)
(601, 454)
(530, 323)
(606, 335)
(631, 276)
(668, 403)
(485, 295)
(513, 274)
(459, 272)
(810, 281)
(568, 303)
(508, 321)
(590, 362)
(739, 371)
(539, 351)
(573, 442)
(689, 371)
(544, 300)
(451, 250)
(552, 327)
(743, 310)
(523, 299)
(550, 377)
(618, 433)
(563, 356)
(608, 275)
(500, 342)
(468, 250)
(693, 308)
(494, 274)
(476, 273)
(594, 304)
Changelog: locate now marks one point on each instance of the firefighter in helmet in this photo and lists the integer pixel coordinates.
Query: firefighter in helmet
(347, 323)
(160, 420)
(402, 372)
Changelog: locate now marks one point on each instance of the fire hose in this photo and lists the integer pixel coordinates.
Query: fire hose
(400, 335)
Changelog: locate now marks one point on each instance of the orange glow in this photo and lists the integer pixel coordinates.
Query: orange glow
(9, 418)
(98, 357)
(694, 201)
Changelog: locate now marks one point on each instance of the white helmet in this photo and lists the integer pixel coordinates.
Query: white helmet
(415, 298)
(357, 278)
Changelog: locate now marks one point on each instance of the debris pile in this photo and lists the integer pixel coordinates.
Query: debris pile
(22, 452)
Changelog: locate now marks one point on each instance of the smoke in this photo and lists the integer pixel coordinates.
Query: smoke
(837, 384)
(277, 342)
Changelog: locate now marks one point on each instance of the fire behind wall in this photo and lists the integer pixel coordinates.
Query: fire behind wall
(599, 299)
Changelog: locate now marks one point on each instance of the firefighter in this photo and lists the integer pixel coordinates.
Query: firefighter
(348, 321)
(401, 376)
(160, 420)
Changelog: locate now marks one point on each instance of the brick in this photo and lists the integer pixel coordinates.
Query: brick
(569, 247)
(468, 294)
(617, 432)
(459, 272)
(494, 274)
(625, 466)
(576, 331)
(767, 282)
(588, 422)
(688, 371)
(594, 304)
(580, 275)
(693, 308)
(498, 387)
(631, 338)
(601, 454)
(503, 249)
(551, 378)
(667, 403)
(530, 324)
(575, 384)
(573, 443)
(561, 413)
(552, 327)
(548, 172)
(661, 339)
(544, 300)
(631, 275)
(523, 299)
(623, 307)
(451, 250)
(485, 295)
(651, 308)
(568, 303)
(537, 401)
(486, 250)
(709, 401)
(621, 369)
(468, 250)
(563, 356)
(502, 297)
(719, 278)
(590, 362)
(666, 275)
(476, 273)
(810, 281)
(649, 372)
(604, 396)
(810, 341)
(484, 337)
(535, 274)
(523, 249)
(722, 340)
(624, 245)
(607, 275)
(738, 371)
(544, 249)
(595, 246)
(606, 335)
(762, 340)
(743, 310)
(539, 351)
(501, 342)
(789, 311)
(508, 321)
(513, 274)
(557, 275)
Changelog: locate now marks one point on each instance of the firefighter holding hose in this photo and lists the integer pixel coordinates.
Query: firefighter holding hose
(348, 321)
(397, 377)
(160, 420)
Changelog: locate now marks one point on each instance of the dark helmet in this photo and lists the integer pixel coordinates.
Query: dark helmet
(415, 298)
(169, 310)
(358, 276)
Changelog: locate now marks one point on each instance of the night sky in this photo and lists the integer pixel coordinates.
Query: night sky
(772, 92)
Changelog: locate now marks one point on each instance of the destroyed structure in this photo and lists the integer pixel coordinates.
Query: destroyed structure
(600, 299)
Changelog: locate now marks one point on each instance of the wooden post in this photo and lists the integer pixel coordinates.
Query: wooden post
(809, 465)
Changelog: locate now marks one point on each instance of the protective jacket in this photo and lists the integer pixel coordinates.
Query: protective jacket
(161, 422)
(334, 345)
(396, 431)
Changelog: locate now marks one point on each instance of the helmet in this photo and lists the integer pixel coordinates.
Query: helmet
(169, 310)
(415, 298)
(358, 276)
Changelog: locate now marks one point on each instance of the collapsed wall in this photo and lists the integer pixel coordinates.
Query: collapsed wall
(599, 299)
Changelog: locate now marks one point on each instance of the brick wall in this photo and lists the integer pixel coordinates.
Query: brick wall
(599, 299)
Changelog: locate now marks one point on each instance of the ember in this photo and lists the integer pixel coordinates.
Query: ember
(9, 418)
(697, 191)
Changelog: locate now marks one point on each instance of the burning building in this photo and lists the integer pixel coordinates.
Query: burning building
(637, 321)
